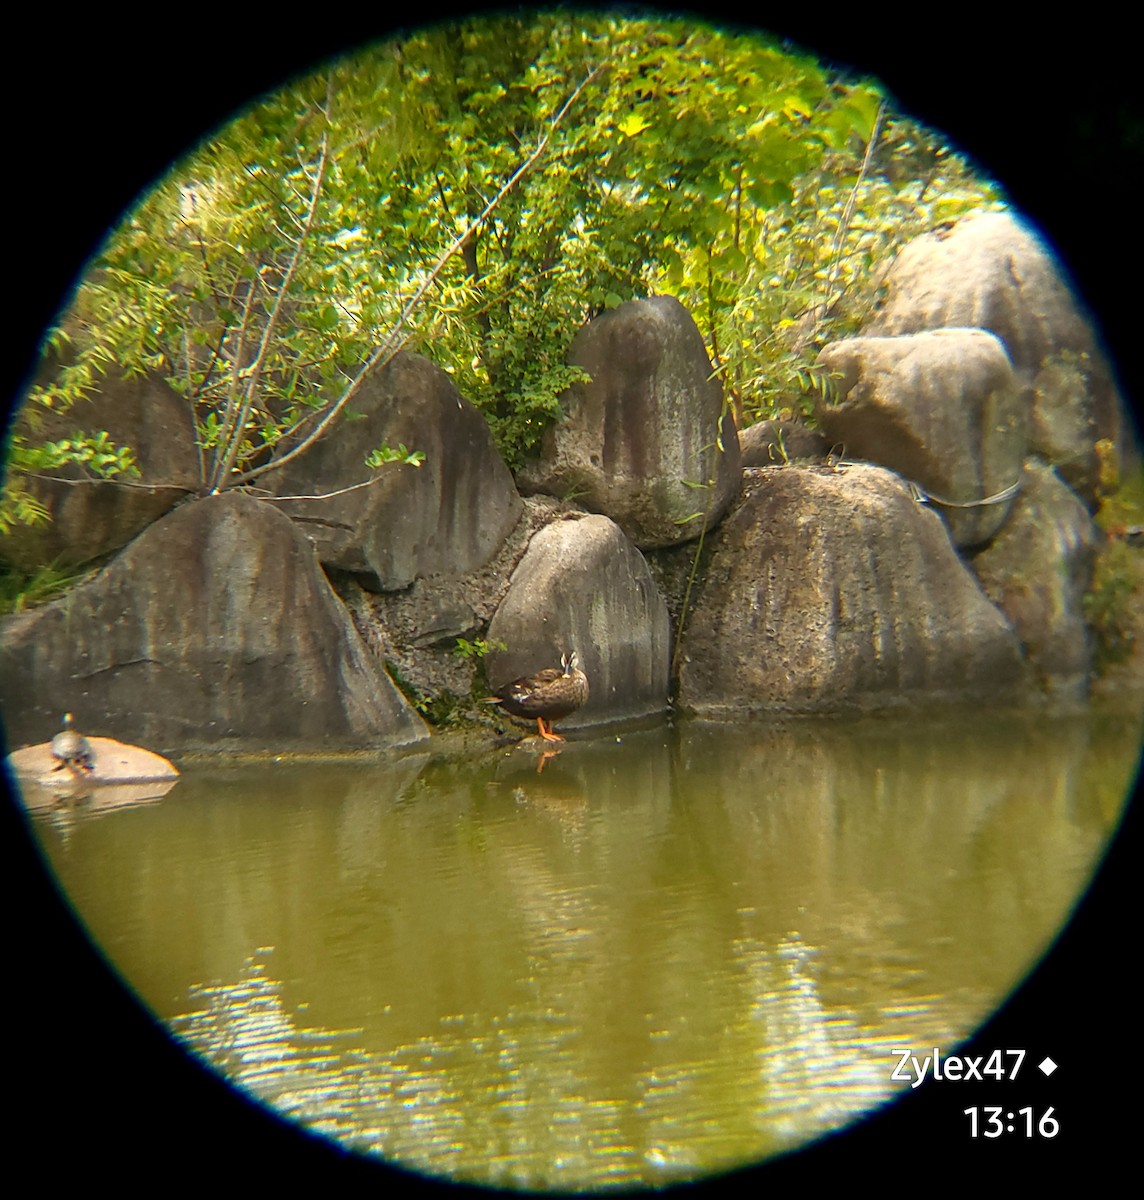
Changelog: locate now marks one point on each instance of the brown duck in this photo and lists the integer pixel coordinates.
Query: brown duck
(72, 750)
(547, 696)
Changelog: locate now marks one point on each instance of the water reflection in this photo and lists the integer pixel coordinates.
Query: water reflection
(666, 953)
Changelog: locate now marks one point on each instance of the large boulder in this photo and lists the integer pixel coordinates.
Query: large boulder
(448, 516)
(583, 586)
(646, 441)
(214, 630)
(1037, 571)
(941, 408)
(992, 271)
(831, 590)
(92, 517)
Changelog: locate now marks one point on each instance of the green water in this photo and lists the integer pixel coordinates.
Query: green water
(664, 954)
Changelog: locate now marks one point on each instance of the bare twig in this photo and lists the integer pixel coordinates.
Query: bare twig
(233, 435)
(353, 487)
(852, 201)
(397, 336)
(232, 402)
(89, 480)
(822, 309)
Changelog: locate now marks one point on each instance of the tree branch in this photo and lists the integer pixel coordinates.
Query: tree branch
(234, 435)
(822, 309)
(397, 337)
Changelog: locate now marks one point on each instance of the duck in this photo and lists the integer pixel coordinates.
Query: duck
(547, 696)
(72, 750)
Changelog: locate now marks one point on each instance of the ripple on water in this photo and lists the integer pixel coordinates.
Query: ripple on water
(650, 962)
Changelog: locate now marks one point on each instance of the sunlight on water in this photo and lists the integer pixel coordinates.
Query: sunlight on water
(665, 954)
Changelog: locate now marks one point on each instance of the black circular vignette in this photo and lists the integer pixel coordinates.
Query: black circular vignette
(99, 111)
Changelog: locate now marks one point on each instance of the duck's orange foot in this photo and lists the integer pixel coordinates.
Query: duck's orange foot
(546, 731)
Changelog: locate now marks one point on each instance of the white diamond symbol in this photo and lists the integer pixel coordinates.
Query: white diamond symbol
(1048, 1066)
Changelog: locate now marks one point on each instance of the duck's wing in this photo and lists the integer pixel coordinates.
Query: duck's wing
(533, 685)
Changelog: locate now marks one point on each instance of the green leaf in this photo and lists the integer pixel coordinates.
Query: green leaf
(386, 454)
(796, 106)
(632, 125)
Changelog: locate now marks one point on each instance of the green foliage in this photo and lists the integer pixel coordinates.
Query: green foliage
(439, 709)
(1112, 606)
(19, 507)
(476, 649)
(1111, 602)
(20, 590)
(418, 699)
(782, 279)
(777, 451)
(386, 454)
(478, 190)
(94, 454)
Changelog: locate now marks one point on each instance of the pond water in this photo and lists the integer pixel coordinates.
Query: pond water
(665, 953)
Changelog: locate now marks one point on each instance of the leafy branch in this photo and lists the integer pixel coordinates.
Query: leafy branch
(829, 300)
(398, 335)
(458, 190)
(234, 426)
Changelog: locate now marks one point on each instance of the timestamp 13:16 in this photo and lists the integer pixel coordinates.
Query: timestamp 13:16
(991, 1122)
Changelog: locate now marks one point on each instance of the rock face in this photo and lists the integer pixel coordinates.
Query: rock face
(418, 631)
(1064, 429)
(1037, 571)
(92, 517)
(991, 271)
(834, 590)
(769, 443)
(214, 630)
(450, 515)
(636, 440)
(941, 408)
(583, 586)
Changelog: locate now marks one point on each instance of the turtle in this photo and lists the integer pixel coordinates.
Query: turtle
(72, 750)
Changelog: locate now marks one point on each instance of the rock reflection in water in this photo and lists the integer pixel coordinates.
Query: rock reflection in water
(667, 953)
